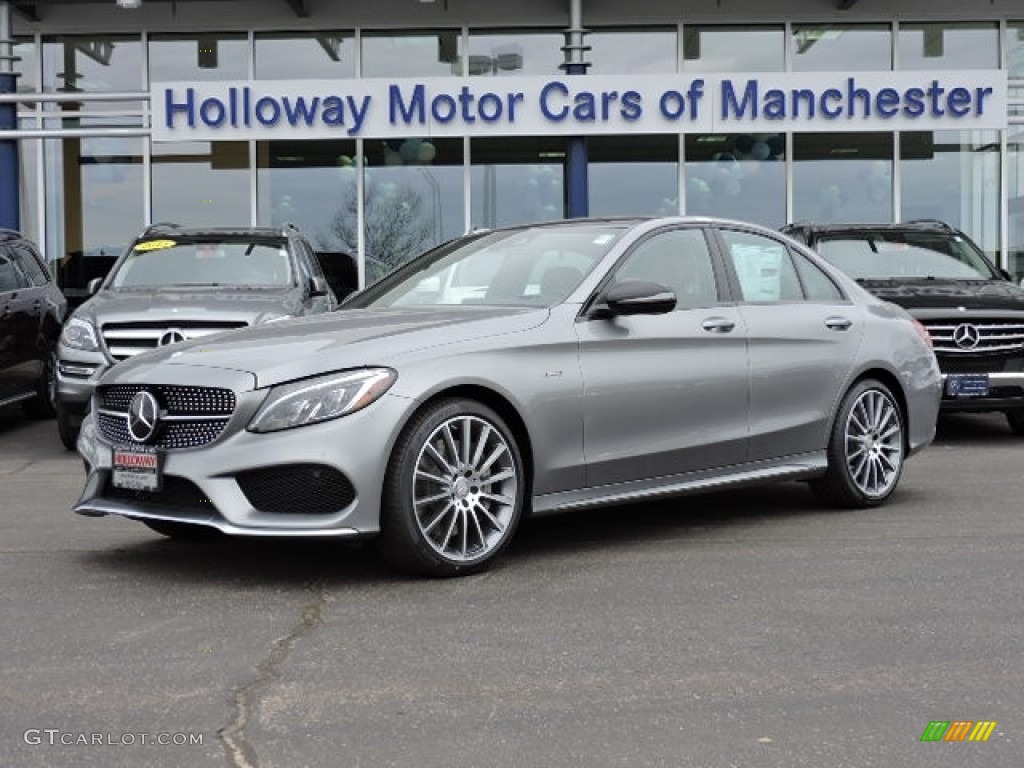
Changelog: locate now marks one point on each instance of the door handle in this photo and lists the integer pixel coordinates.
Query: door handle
(838, 324)
(718, 325)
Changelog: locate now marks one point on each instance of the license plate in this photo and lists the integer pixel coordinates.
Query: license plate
(967, 385)
(137, 470)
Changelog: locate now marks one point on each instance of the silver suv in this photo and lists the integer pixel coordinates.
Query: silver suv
(176, 283)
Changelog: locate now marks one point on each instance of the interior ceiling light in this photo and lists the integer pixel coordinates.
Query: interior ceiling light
(128, 3)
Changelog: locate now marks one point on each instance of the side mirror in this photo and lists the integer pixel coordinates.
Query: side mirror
(317, 287)
(94, 285)
(636, 297)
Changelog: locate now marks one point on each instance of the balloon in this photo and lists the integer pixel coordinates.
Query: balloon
(426, 152)
(777, 144)
(391, 157)
(760, 151)
(744, 143)
(409, 150)
(345, 161)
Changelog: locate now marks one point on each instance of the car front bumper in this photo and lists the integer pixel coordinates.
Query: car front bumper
(1006, 392)
(207, 485)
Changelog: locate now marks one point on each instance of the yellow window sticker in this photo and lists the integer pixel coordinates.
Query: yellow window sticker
(155, 245)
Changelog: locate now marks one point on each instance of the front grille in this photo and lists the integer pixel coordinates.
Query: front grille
(992, 336)
(179, 494)
(298, 489)
(124, 340)
(190, 416)
(179, 401)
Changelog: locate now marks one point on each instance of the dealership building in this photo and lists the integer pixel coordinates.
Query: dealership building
(383, 128)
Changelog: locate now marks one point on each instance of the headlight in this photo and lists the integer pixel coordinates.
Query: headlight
(311, 401)
(79, 334)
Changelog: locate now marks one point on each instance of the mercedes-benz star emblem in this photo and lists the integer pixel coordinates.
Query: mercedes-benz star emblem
(966, 336)
(172, 336)
(143, 416)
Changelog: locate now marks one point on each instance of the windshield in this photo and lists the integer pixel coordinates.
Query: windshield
(896, 255)
(199, 262)
(536, 267)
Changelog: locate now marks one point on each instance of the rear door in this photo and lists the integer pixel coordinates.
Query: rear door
(666, 394)
(804, 335)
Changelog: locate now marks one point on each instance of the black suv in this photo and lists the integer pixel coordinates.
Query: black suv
(973, 310)
(31, 312)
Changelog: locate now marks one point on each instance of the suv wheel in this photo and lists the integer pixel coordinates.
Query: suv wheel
(66, 428)
(1015, 419)
(43, 405)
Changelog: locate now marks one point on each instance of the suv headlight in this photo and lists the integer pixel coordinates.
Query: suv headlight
(323, 398)
(79, 334)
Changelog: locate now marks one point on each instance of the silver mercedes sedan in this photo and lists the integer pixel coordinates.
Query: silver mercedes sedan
(521, 371)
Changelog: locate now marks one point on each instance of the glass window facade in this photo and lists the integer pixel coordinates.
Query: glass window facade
(627, 178)
(953, 176)
(516, 181)
(432, 53)
(734, 48)
(738, 176)
(841, 47)
(418, 190)
(633, 51)
(948, 45)
(199, 57)
(201, 183)
(843, 177)
(304, 55)
(412, 200)
(512, 52)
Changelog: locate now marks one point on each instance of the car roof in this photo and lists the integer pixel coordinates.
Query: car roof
(11, 234)
(168, 229)
(863, 227)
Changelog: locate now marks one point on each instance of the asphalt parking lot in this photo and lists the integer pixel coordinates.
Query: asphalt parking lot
(739, 629)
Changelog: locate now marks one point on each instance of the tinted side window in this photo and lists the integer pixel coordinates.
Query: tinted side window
(11, 278)
(763, 266)
(817, 285)
(679, 259)
(30, 264)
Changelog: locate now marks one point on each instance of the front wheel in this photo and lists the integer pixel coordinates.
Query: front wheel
(454, 491)
(865, 449)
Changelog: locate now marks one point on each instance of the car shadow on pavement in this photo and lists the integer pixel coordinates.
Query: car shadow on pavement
(297, 563)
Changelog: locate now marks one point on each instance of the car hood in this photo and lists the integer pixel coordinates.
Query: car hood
(927, 293)
(167, 304)
(295, 349)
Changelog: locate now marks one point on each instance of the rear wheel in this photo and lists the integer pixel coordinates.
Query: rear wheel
(1015, 419)
(454, 491)
(865, 449)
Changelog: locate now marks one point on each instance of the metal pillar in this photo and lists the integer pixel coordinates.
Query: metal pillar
(576, 184)
(10, 208)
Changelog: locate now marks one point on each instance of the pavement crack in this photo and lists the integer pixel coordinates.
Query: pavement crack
(240, 752)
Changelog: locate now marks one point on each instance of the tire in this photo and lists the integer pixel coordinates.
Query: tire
(1015, 419)
(183, 531)
(44, 404)
(866, 449)
(67, 429)
(454, 491)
